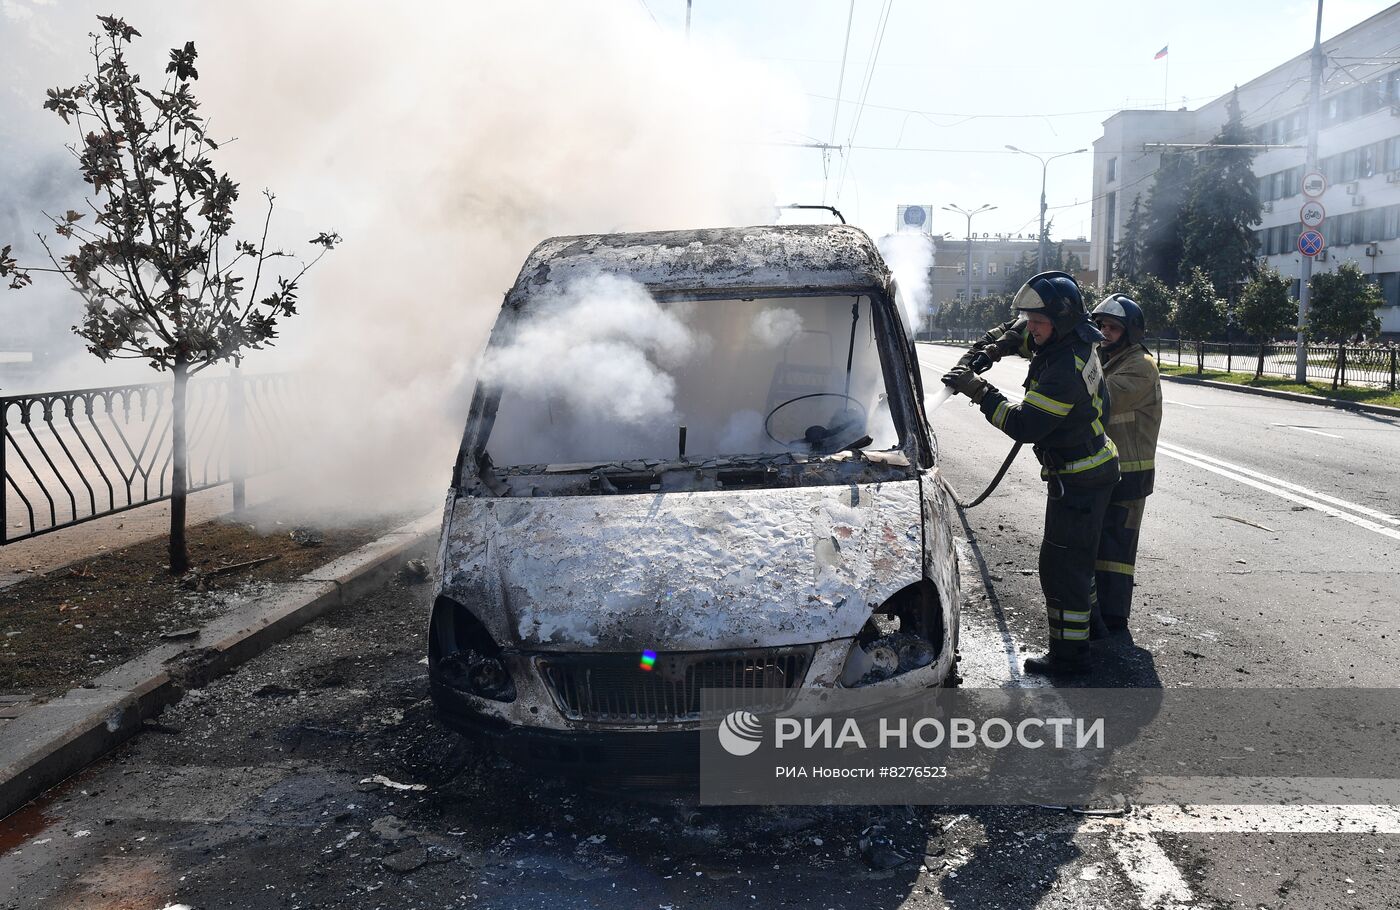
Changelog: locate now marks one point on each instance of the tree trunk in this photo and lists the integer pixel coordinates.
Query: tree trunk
(1259, 369)
(1337, 365)
(179, 550)
(1200, 357)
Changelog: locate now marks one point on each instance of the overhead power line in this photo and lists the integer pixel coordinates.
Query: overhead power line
(878, 42)
(909, 110)
(836, 108)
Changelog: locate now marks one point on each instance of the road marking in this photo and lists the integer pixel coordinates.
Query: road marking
(1340, 503)
(1153, 874)
(1290, 426)
(1263, 819)
(1199, 407)
(1284, 494)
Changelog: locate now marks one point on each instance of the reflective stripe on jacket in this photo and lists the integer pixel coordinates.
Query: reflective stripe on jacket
(1061, 414)
(1136, 391)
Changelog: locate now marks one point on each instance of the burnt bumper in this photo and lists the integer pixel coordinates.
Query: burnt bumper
(630, 759)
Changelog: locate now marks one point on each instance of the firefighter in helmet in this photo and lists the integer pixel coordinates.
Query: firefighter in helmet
(1136, 390)
(1062, 415)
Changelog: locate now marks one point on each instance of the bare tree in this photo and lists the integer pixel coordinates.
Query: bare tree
(160, 276)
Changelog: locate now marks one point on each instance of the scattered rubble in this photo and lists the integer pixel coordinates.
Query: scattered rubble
(415, 571)
(382, 781)
(307, 537)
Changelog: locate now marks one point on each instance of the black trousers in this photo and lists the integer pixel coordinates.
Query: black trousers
(1117, 559)
(1068, 551)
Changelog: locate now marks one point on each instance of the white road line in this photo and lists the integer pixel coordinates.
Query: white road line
(1199, 407)
(1294, 426)
(1340, 503)
(1155, 877)
(1267, 488)
(1234, 819)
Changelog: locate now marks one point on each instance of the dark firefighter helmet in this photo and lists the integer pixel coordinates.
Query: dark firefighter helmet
(1124, 309)
(1055, 295)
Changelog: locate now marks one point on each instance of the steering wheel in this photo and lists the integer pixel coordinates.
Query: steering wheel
(820, 438)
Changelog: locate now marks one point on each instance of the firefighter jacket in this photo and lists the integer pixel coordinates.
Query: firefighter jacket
(1136, 392)
(1063, 414)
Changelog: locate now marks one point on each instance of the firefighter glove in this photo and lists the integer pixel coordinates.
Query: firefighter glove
(1010, 341)
(966, 382)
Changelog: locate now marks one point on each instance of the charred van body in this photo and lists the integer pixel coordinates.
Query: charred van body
(775, 521)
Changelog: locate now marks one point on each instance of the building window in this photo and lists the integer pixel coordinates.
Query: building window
(1392, 154)
(1351, 161)
(1110, 232)
(1112, 173)
(1370, 97)
(991, 268)
(1390, 287)
(1375, 225)
(1341, 233)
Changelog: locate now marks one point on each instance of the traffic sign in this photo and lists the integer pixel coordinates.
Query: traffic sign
(1312, 214)
(1314, 185)
(1310, 243)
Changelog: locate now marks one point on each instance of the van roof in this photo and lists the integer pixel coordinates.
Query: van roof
(803, 259)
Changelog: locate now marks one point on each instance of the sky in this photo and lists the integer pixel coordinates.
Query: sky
(968, 79)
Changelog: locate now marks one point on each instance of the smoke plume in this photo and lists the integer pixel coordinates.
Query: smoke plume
(909, 254)
(442, 140)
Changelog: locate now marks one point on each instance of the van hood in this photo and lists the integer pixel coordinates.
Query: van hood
(682, 571)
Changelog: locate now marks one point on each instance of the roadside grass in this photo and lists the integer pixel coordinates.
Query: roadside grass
(62, 628)
(1282, 384)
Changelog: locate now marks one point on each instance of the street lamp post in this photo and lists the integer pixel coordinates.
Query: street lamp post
(968, 214)
(1044, 166)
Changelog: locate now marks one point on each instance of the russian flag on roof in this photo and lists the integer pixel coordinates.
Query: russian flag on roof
(1162, 53)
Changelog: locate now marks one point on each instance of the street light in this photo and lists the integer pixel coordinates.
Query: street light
(964, 212)
(1044, 165)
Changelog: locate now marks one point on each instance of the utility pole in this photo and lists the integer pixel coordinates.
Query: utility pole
(687, 21)
(1305, 263)
(968, 214)
(1044, 167)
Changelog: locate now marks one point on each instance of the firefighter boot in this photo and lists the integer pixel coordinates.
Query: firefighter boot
(1060, 661)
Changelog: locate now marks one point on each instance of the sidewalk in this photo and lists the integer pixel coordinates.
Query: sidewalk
(41, 745)
(1342, 403)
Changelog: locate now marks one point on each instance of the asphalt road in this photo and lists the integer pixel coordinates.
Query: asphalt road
(260, 791)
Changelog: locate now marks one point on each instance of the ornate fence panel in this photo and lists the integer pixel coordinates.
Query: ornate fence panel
(1350, 365)
(72, 456)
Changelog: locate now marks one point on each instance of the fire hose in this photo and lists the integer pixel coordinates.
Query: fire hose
(981, 363)
(1001, 472)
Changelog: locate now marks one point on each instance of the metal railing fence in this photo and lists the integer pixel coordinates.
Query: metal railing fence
(71, 456)
(1372, 366)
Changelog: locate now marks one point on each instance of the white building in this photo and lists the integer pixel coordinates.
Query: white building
(1358, 151)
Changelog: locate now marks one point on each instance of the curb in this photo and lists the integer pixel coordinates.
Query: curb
(1344, 405)
(49, 742)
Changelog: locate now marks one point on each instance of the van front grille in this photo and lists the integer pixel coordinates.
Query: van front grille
(614, 689)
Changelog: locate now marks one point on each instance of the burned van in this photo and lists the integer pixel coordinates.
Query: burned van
(693, 459)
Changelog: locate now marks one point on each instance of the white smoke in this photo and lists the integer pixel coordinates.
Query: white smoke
(601, 346)
(776, 326)
(442, 140)
(909, 254)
